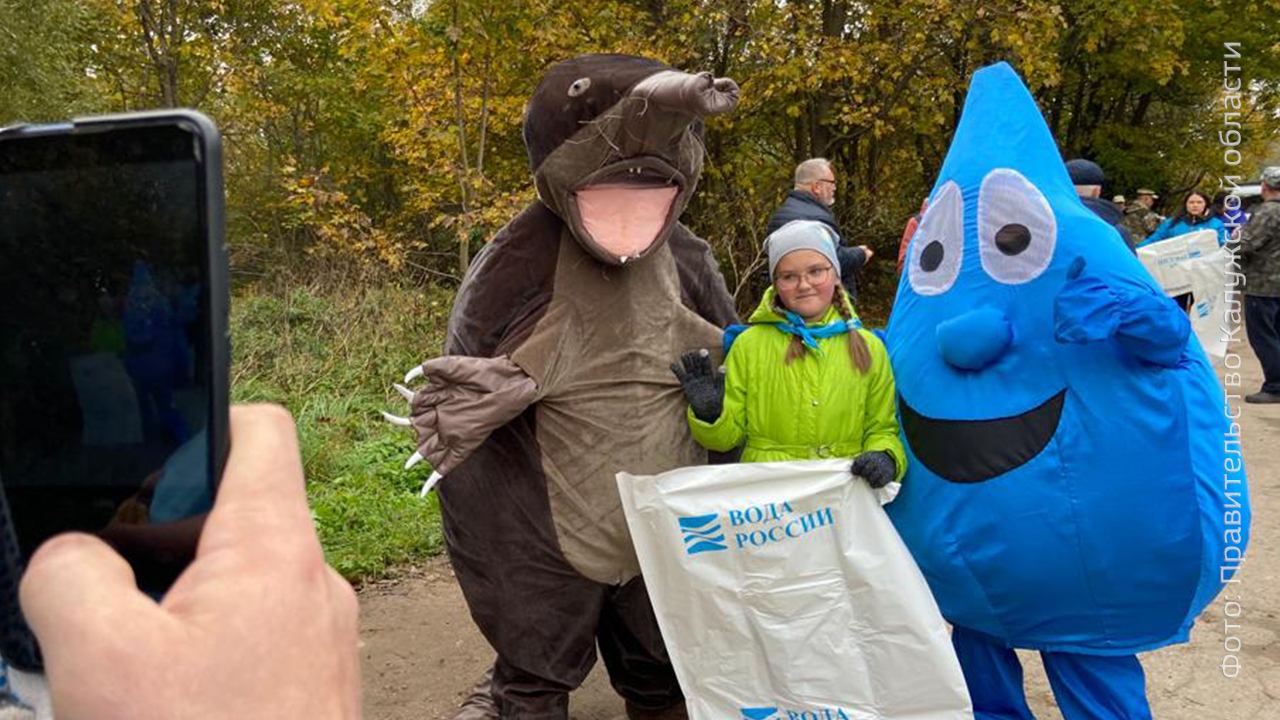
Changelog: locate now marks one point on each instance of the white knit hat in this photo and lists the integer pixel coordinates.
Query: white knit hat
(802, 235)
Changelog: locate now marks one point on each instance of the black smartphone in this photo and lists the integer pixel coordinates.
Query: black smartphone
(113, 343)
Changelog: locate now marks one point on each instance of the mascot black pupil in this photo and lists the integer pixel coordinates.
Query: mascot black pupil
(1013, 238)
(932, 256)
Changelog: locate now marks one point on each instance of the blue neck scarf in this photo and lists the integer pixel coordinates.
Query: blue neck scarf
(795, 325)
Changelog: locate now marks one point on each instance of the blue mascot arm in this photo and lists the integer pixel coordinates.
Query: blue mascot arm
(1148, 326)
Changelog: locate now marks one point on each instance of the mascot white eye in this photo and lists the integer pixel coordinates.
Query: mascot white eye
(938, 245)
(579, 86)
(1016, 228)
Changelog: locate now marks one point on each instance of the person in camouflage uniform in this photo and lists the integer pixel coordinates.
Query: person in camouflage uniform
(1259, 253)
(1139, 219)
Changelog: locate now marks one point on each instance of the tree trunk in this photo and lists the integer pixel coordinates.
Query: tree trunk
(484, 115)
(464, 163)
(163, 32)
(1140, 110)
(822, 105)
(1077, 112)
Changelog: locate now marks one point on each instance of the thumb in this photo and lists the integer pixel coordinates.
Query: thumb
(77, 589)
(1076, 268)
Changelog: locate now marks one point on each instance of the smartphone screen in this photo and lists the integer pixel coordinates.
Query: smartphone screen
(106, 370)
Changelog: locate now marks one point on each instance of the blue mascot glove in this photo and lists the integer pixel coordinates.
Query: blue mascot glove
(876, 467)
(1085, 310)
(1150, 327)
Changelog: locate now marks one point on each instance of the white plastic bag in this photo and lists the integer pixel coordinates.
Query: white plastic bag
(1194, 263)
(30, 691)
(1168, 260)
(1208, 275)
(784, 593)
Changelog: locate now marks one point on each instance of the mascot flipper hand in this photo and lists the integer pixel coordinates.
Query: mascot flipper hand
(555, 377)
(1066, 490)
(1089, 310)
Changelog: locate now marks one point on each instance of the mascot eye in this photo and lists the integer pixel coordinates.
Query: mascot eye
(1016, 228)
(579, 86)
(938, 245)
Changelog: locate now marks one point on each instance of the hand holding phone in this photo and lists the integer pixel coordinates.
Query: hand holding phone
(258, 626)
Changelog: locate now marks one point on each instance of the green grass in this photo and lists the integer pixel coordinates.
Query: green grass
(330, 356)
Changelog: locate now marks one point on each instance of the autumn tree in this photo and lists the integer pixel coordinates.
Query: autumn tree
(386, 134)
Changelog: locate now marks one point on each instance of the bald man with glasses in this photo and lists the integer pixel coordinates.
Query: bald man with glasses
(811, 199)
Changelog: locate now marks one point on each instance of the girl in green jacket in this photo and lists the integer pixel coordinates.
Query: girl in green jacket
(804, 380)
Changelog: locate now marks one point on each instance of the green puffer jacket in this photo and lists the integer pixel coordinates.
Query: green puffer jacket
(818, 406)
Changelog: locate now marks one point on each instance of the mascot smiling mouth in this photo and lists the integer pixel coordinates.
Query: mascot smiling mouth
(626, 209)
(972, 451)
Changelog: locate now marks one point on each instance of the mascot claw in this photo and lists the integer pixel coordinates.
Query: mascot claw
(430, 483)
(396, 419)
(399, 421)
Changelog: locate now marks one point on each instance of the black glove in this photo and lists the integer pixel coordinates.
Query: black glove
(876, 467)
(703, 387)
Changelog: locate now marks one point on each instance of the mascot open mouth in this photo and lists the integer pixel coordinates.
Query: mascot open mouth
(625, 209)
(971, 451)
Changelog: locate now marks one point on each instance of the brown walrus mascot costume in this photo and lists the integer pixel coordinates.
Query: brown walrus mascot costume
(556, 376)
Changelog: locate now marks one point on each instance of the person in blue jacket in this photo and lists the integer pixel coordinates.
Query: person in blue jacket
(1233, 218)
(1072, 483)
(1193, 216)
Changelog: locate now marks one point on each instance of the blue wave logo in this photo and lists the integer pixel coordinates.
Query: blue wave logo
(702, 533)
(759, 713)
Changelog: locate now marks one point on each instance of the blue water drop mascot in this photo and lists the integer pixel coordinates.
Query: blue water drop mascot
(1075, 485)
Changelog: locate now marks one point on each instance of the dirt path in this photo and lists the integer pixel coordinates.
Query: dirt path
(422, 652)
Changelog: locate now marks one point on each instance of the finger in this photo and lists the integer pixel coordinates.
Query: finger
(688, 364)
(675, 368)
(345, 617)
(261, 503)
(704, 363)
(347, 606)
(1077, 267)
(434, 446)
(77, 589)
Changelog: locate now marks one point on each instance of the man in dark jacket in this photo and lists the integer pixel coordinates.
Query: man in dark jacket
(1088, 177)
(1259, 253)
(814, 193)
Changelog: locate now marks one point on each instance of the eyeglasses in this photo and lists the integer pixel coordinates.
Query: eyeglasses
(824, 180)
(815, 275)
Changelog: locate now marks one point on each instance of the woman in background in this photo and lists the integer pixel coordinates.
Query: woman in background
(1194, 216)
